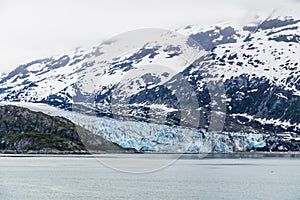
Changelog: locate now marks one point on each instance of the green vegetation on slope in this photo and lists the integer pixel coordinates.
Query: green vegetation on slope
(22, 130)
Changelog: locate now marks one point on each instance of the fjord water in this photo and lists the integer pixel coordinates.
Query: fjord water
(190, 177)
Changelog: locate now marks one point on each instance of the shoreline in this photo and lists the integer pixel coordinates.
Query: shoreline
(208, 155)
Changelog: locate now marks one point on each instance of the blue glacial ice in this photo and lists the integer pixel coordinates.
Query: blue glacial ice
(162, 138)
(159, 138)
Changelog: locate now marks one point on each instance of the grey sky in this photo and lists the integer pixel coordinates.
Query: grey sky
(39, 28)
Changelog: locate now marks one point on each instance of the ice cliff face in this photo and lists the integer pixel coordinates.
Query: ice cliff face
(149, 137)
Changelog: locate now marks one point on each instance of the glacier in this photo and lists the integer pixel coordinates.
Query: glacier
(149, 137)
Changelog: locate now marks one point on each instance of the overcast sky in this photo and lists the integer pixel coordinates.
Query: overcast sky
(33, 29)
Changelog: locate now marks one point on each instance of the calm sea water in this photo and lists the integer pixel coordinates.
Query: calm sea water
(190, 177)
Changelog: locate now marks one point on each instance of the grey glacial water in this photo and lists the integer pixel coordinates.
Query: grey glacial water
(82, 177)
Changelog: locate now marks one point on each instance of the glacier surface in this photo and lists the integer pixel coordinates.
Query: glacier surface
(147, 137)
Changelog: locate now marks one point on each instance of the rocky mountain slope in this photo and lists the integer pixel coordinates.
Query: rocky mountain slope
(23, 131)
(257, 66)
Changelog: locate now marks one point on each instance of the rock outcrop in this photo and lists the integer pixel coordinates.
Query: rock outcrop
(23, 131)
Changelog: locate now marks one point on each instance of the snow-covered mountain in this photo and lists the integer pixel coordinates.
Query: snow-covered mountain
(258, 65)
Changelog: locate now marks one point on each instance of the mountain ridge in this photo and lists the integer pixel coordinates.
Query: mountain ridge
(257, 63)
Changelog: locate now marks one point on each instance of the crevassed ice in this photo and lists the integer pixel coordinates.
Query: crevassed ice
(157, 138)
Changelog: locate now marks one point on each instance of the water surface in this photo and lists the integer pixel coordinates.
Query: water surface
(84, 177)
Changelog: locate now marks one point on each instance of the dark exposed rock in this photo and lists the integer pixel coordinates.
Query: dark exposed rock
(22, 130)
